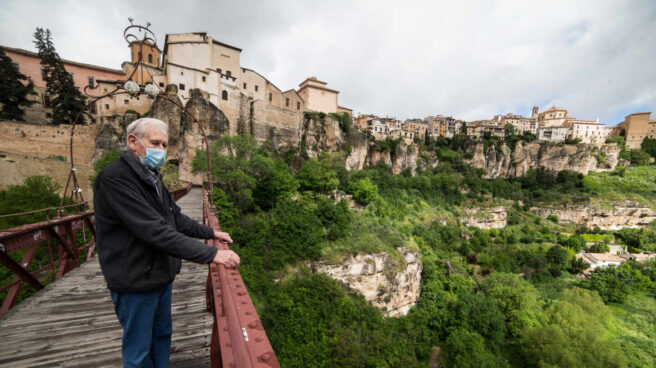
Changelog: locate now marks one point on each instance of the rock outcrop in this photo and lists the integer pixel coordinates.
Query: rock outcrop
(394, 288)
(607, 217)
(502, 162)
(485, 218)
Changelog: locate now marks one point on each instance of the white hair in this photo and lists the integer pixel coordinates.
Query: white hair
(138, 127)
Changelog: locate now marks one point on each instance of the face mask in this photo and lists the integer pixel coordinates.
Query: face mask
(155, 157)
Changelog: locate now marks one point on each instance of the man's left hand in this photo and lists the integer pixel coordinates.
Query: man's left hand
(221, 236)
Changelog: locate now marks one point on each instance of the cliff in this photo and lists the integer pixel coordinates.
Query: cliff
(504, 163)
(393, 287)
(612, 216)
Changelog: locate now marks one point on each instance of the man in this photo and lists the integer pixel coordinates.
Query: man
(141, 236)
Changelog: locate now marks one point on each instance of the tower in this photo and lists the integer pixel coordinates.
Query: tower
(534, 115)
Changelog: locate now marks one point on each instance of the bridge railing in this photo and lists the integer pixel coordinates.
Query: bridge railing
(47, 251)
(238, 338)
(39, 253)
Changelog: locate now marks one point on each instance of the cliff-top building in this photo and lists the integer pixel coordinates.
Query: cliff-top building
(637, 127)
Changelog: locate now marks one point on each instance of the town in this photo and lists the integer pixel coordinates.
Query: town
(198, 61)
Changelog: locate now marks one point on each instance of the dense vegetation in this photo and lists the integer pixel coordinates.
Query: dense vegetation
(500, 297)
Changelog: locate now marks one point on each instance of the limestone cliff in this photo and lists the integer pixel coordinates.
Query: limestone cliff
(391, 287)
(612, 216)
(485, 218)
(504, 163)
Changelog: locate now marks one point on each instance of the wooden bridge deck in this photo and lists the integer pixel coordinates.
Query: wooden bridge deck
(71, 323)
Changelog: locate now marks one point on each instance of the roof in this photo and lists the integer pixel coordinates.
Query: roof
(313, 79)
(317, 87)
(82, 65)
(263, 77)
(344, 108)
(604, 257)
(553, 108)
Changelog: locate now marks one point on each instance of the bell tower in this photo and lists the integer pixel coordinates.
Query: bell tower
(534, 115)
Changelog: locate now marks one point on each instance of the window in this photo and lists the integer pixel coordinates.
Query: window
(150, 58)
(106, 106)
(270, 96)
(224, 95)
(228, 74)
(298, 105)
(244, 85)
(181, 73)
(46, 100)
(287, 102)
(44, 74)
(92, 108)
(218, 70)
(181, 86)
(126, 102)
(92, 81)
(204, 79)
(161, 84)
(256, 88)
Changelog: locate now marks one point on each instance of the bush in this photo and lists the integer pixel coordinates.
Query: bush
(553, 218)
(640, 157)
(364, 191)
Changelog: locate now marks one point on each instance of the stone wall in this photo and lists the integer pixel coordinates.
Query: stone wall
(384, 284)
(280, 125)
(16, 167)
(44, 140)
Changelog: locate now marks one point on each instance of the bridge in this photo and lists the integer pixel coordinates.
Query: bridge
(71, 322)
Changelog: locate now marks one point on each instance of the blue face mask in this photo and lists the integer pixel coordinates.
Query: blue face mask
(155, 157)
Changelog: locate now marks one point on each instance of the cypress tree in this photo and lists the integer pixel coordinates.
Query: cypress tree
(14, 89)
(67, 100)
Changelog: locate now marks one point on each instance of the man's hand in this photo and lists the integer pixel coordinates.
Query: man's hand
(229, 258)
(221, 236)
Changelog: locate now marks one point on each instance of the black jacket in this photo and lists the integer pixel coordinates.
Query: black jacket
(140, 235)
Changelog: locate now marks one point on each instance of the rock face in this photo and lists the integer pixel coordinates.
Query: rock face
(609, 217)
(582, 158)
(373, 275)
(485, 218)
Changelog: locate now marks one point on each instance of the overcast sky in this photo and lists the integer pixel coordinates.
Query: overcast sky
(467, 59)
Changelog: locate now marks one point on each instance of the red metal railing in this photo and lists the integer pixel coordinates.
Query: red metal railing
(58, 233)
(238, 338)
(56, 240)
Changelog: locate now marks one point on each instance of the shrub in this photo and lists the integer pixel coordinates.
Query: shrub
(364, 191)
(553, 218)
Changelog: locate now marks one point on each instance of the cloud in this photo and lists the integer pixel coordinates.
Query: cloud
(469, 59)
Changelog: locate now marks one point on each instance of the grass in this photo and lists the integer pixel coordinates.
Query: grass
(637, 184)
(636, 329)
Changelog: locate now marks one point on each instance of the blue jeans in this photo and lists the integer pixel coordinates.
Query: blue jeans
(146, 321)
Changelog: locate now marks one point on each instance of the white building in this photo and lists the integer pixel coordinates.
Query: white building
(553, 133)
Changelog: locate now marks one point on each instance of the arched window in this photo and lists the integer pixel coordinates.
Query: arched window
(150, 58)
(224, 95)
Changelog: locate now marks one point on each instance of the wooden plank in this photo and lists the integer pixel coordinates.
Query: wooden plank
(71, 322)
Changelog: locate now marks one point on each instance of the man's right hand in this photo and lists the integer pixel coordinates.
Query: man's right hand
(227, 257)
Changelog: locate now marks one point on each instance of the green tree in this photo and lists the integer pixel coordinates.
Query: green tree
(517, 299)
(318, 175)
(557, 259)
(105, 159)
(364, 191)
(15, 88)
(649, 145)
(575, 334)
(466, 349)
(639, 158)
(67, 100)
(35, 193)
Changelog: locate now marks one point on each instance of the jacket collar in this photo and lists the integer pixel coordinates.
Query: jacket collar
(140, 169)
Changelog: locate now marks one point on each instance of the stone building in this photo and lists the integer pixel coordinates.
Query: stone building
(520, 123)
(317, 96)
(637, 127)
(84, 75)
(553, 133)
(418, 127)
(552, 117)
(588, 131)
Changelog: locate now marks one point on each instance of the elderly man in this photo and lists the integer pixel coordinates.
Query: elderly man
(141, 237)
